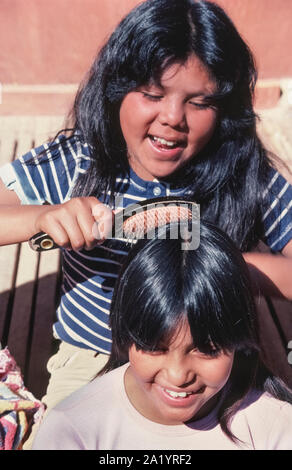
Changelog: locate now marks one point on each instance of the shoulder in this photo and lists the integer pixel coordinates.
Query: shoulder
(281, 167)
(101, 389)
(263, 402)
(80, 421)
(269, 421)
(279, 181)
(277, 210)
(49, 171)
(67, 152)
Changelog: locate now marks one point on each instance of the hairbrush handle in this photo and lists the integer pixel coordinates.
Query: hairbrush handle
(41, 241)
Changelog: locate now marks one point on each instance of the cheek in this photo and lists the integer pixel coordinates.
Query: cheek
(203, 127)
(216, 373)
(142, 365)
(134, 115)
(126, 121)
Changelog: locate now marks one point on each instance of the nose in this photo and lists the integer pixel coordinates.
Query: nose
(172, 113)
(178, 372)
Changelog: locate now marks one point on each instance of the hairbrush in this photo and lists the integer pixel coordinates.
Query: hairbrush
(138, 220)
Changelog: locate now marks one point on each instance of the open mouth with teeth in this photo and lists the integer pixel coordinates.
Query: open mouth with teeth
(166, 144)
(180, 395)
(177, 394)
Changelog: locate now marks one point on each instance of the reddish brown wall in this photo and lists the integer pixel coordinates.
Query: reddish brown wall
(267, 27)
(54, 41)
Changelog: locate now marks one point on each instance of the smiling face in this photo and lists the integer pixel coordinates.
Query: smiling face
(177, 383)
(166, 125)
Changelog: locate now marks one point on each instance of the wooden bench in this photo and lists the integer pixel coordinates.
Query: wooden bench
(29, 282)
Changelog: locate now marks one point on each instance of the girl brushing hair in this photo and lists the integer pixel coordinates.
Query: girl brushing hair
(184, 371)
(165, 110)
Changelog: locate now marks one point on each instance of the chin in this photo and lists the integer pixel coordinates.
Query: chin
(165, 172)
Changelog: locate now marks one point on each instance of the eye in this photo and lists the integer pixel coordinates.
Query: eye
(200, 105)
(151, 96)
(155, 352)
(208, 353)
(213, 353)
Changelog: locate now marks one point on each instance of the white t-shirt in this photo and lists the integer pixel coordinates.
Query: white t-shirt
(100, 416)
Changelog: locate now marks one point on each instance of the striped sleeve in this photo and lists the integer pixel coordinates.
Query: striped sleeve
(277, 215)
(48, 172)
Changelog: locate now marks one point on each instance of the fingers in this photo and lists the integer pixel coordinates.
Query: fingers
(94, 221)
(77, 224)
(102, 227)
(63, 229)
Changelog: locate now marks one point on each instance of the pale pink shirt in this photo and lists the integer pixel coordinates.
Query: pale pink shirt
(100, 416)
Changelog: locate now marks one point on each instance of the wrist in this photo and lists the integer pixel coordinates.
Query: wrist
(37, 222)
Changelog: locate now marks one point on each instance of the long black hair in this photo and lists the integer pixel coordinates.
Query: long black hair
(161, 285)
(230, 173)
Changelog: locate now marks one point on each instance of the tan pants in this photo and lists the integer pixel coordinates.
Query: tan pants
(70, 368)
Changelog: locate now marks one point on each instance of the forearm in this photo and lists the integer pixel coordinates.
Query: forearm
(70, 224)
(271, 274)
(18, 222)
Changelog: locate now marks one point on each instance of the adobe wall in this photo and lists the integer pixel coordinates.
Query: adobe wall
(53, 42)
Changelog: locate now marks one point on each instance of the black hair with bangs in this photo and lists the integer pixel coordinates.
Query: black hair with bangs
(162, 285)
(209, 287)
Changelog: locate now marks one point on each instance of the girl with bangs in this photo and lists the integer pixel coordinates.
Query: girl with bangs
(184, 371)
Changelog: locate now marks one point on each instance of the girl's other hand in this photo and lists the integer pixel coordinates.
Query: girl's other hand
(82, 222)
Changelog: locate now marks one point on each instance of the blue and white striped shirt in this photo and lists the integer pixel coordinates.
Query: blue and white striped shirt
(89, 276)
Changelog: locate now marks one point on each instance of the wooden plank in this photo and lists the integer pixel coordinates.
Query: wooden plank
(28, 280)
(46, 127)
(23, 303)
(274, 129)
(8, 270)
(24, 144)
(15, 134)
(37, 129)
(9, 255)
(19, 268)
(42, 321)
(7, 146)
